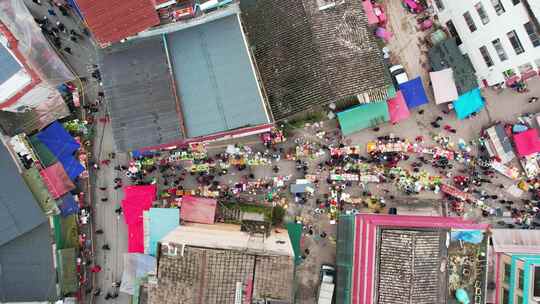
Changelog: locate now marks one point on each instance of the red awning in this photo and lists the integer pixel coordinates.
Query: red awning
(198, 209)
(397, 107)
(527, 142)
(57, 180)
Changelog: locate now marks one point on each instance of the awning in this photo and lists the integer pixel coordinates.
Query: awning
(527, 142)
(444, 87)
(68, 206)
(368, 10)
(198, 209)
(57, 180)
(398, 108)
(68, 270)
(136, 200)
(161, 222)
(413, 92)
(40, 191)
(468, 103)
(363, 116)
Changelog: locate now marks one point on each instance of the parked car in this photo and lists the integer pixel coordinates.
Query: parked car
(398, 74)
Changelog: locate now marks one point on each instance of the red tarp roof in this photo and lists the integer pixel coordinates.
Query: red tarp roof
(397, 107)
(57, 180)
(198, 210)
(527, 142)
(368, 10)
(136, 200)
(112, 21)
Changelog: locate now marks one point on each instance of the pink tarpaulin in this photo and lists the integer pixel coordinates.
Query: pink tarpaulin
(368, 9)
(383, 33)
(527, 142)
(198, 210)
(397, 107)
(57, 180)
(136, 200)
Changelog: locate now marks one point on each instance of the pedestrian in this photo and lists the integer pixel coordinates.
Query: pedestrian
(38, 2)
(118, 210)
(104, 199)
(99, 231)
(63, 10)
(61, 26)
(106, 247)
(68, 50)
(97, 291)
(102, 188)
(108, 296)
(73, 38)
(51, 12)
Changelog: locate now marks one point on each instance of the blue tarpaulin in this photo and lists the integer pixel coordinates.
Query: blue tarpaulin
(413, 92)
(68, 205)
(71, 165)
(62, 145)
(58, 140)
(468, 236)
(468, 103)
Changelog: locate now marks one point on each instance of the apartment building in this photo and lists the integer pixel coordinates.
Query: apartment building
(501, 37)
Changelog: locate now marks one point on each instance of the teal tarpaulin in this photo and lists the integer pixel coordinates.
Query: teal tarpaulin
(468, 103)
(363, 116)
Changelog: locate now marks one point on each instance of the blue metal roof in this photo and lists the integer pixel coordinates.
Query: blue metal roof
(8, 65)
(215, 80)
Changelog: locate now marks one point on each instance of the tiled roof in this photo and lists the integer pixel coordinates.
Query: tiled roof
(309, 57)
(112, 21)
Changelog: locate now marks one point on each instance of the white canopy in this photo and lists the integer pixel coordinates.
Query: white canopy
(444, 87)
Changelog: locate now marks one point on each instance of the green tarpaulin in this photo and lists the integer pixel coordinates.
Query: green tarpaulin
(68, 270)
(43, 153)
(66, 231)
(295, 234)
(40, 191)
(363, 116)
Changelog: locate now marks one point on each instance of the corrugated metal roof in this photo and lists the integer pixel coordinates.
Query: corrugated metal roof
(27, 270)
(112, 21)
(138, 89)
(19, 211)
(215, 79)
(8, 65)
(516, 241)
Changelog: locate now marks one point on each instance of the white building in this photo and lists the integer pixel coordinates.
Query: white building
(501, 37)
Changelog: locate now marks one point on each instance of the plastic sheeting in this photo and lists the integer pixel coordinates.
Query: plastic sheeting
(136, 266)
(468, 236)
(363, 116)
(398, 108)
(32, 44)
(68, 206)
(198, 209)
(527, 142)
(368, 10)
(57, 180)
(468, 103)
(62, 145)
(414, 93)
(136, 200)
(161, 222)
(40, 191)
(444, 87)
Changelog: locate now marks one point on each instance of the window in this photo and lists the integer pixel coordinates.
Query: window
(533, 35)
(440, 5)
(481, 12)
(514, 41)
(485, 54)
(507, 272)
(519, 300)
(497, 45)
(469, 21)
(520, 279)
(453, 31)
(505, 296)
(515, 2)
(536, 279)
(497, 5)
